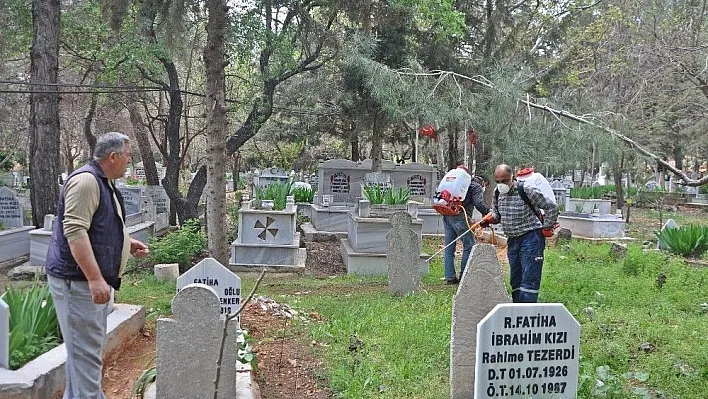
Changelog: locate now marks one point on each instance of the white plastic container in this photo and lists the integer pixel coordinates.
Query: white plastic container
(535, 179)
(456, 182)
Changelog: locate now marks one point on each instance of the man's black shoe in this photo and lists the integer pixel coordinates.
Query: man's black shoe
(452, 282)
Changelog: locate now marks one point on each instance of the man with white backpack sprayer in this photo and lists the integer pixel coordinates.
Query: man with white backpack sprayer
(517, 206)
(456, 197)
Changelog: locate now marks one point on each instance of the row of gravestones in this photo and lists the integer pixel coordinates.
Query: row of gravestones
(146, 203)
(497, 349)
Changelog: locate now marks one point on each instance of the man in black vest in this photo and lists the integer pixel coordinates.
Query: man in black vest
(86, 257)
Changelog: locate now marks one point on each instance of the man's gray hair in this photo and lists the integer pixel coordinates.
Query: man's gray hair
(108, 143)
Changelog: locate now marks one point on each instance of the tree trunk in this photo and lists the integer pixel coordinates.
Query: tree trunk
(452, 148)
(88, 133)
(215, 63)
(617, 171)
(354, 142)
(376, 144)
(44, 110)
(143, 140)
(236, 168)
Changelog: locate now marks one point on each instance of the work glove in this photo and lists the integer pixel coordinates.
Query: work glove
(549, 231)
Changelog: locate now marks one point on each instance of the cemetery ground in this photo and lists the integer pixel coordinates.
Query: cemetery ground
(325, 334)
(644, 324)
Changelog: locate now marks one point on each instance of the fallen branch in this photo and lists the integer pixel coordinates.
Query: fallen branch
(481, 80)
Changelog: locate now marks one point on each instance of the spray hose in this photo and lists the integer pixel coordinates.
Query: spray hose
(474, 228)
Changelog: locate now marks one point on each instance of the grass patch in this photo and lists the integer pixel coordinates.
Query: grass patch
(641, 334)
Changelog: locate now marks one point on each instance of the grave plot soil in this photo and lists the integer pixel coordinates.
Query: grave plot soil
(287, 367)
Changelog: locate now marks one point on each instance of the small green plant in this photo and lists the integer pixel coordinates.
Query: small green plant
(34, 327)
(145, 378)
(686, 241)
(579, 208)
(232, 208)
(703, 189)
(633, 263)
(2, 225)
(245, 349)
(131, 181)
(277, 192)
(386, 196)
(304, 194)
(179, 246)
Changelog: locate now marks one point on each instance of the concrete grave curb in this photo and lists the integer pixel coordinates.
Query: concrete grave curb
(246, 386)
(44, 377)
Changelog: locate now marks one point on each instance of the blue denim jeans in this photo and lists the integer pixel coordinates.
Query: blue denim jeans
(454, 227)
(525, 254)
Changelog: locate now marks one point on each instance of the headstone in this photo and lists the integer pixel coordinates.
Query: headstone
(382, 180)
(402, 255)
(131, 199)
(270, 176)
(618, 251)
(11, 211)
(557, 184)
(159, 198)
(148, 207)
(476, 296)
(166, 271)
(48, 222)
(188, 347)
(4, 335)
(527, 350)
(670, 224)
(213, 274)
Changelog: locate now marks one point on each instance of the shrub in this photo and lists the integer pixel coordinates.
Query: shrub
(386, 196)
(687, 241)
(633, 263)
(278, 192)
(179, 246)
(304, 194)
(34, 327)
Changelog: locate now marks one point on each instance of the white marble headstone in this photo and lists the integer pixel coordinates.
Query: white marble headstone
(527, 350)
(4, 335)
(11, 211)
(215, 275)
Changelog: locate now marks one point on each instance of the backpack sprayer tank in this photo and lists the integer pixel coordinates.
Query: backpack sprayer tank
(452, 191)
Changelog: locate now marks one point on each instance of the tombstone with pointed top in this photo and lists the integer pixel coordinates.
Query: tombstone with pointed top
(670, 224)
(481, 289)
(188, 347)
(217, 276)
(402, 255)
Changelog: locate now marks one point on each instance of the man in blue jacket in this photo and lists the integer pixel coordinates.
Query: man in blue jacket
(86, 258)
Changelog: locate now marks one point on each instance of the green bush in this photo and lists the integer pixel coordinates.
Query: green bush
(232, 208)
(278, 192)
(34, 327)
(304, 194)
(386, 196)
(179, 246)
(686, 241)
